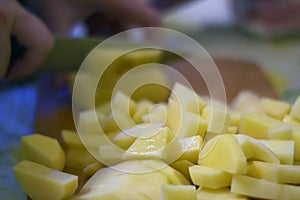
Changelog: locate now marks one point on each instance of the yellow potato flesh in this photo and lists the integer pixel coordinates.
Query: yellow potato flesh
(223, 152)
(71, 139)
(295, 112)
(149, 147)
(275, 108)
(191, 147)
(44, 150)
(218, 194)
(257, 125)
(209, 178)
(277, 172)
(253, 187)
(178, 192)
(183, 167)
(255, 150)
(43, 183)
(283, 149)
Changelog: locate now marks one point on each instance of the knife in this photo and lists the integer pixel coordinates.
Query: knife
(67, 54)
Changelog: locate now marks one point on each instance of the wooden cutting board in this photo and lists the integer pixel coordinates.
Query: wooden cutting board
(54, 111)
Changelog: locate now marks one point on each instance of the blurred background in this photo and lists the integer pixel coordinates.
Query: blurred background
(243, 34)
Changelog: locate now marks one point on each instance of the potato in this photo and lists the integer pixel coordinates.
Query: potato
(219, 119)
(290, 120)
(295, 112)
(283, 149)
(174, 177)
(257, 125)
(183, 123)
(164, 150)
(218, 194)
(296, 138)
(43, 183)
(188, 100)
(92, 168)
(78, 158)
(157, 113)
(260, 188)
(178, 192)
(224, 152)
(44, 150)
(126, 177)
(284, 132)
(276, 172)
(150, 146)
(183, 167)
(125, 138)
(71, 139)
(255, 150)
(190, 148)
(142, 108)
(275, 108)
(209, 177)
(253, 187)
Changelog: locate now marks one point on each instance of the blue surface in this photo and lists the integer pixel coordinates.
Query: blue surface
(17, 114)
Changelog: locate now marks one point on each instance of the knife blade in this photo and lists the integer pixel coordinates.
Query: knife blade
(67, 54)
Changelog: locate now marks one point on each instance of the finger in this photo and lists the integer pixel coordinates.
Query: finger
(36, 38)
(5, 52)
(5, 48)
(135, 11)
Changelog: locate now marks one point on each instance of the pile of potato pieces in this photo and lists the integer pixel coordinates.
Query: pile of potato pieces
(248, 150)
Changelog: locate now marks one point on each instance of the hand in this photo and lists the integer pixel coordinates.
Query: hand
(30, 32)
(61, 15)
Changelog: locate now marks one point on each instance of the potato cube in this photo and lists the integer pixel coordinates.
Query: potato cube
(190, 148)
(283, 149)
(255, 150)
(296, 138)
(123, 103)
(247, 102)
(44, 150)
(289, 192)
(92, 168)
(125, 138)
(218, 194)
(183, 167)
(183, 123)
(277, 172)
(284, 132)
(109, 191)
(295, 112)
(253, 187)
(224, 152)
(142, 108)
(257, 125)
(157, 113)
(178, 192)
(219, 120)
(275, 108)
(43, 183)
(78, 158)
(209, 177)
(290, 120)
(187, 98)
(174, 176)
(150, 146)
(71, 139)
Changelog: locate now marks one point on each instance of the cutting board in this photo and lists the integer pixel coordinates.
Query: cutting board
(54, 111)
